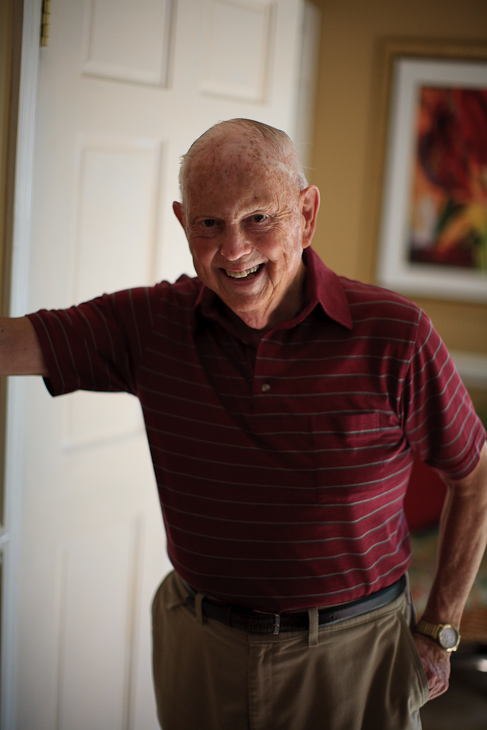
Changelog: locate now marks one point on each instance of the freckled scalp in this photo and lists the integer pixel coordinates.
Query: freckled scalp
(259, 144)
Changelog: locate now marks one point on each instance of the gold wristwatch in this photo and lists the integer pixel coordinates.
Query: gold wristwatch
(447, 635)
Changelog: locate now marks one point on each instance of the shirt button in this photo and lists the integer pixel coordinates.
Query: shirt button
(266, 388)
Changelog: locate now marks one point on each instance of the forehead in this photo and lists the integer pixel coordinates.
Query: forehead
(239, 169)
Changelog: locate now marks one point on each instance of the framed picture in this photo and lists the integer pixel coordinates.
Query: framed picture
(433, 230)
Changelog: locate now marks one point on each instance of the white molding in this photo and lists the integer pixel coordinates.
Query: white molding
(472, 368)
(11, 537)
(306, 94)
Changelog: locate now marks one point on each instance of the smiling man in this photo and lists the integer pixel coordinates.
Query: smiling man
(283, 405)
(248, 216)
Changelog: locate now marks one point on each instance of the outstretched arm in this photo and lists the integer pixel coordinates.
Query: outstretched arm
(20, 352)
(462, 541)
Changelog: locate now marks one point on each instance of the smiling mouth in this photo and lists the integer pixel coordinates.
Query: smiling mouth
(247, 274)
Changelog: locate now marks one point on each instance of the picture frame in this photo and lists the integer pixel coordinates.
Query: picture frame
(433, 217)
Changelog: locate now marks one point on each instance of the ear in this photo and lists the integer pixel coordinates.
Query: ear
(310, 204)
(178, 212)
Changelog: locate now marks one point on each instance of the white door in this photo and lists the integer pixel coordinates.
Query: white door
(124, 87)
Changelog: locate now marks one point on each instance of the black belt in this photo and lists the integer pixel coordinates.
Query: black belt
(260, 622)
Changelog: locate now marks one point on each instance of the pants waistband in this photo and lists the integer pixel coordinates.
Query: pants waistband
(260, 622)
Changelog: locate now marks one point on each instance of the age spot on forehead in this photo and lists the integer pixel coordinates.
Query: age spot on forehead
(238, 164)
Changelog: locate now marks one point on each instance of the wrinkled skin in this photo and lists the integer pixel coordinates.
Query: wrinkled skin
(242, 210)
(436, 664)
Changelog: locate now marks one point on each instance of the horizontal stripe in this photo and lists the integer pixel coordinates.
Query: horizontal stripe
(317, 462)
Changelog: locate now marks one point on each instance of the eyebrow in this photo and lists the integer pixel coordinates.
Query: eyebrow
(245, 209)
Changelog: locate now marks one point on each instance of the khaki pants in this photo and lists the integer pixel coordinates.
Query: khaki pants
(363, 674)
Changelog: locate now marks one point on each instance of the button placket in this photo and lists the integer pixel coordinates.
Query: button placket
(262, 386)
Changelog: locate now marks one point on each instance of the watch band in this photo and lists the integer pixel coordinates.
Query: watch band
(428, 628)
(447, 635)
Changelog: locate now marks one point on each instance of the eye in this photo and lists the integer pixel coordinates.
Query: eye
(208, 222)
(259, 218)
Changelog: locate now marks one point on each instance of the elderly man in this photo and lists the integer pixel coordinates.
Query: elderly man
(282, 405)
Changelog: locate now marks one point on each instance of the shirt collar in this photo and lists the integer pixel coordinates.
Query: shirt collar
(323, 289)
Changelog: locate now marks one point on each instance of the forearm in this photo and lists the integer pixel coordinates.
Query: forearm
(462, 542)
(20, 352)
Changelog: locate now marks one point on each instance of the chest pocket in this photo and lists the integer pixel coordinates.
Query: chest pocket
(348, 451)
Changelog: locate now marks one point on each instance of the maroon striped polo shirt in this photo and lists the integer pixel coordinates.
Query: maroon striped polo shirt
(282, 466)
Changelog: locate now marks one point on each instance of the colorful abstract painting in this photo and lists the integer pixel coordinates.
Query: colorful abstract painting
(448, 211)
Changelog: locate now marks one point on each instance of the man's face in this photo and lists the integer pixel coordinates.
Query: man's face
(247, 224)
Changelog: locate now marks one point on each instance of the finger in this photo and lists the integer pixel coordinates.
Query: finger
(437, 679)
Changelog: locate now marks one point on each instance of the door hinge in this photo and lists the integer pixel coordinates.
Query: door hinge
(45, 22)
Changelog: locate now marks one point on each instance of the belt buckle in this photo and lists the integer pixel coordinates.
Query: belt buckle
(277, 621)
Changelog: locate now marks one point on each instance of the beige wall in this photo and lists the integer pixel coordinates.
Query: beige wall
(349, 139)
(10, 33)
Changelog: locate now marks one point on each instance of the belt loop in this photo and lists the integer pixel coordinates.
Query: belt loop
(313, 627)
(198, 600)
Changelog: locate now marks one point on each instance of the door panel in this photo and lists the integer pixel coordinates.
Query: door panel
(231, 66)
(128, 41)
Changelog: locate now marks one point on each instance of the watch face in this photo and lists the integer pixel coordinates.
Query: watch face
(448, 637)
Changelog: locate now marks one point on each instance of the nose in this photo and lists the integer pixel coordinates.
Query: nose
(234, 244)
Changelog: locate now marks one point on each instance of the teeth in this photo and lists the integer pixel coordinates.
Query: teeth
(242, 274)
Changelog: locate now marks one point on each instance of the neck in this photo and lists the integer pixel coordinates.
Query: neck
(291, 304)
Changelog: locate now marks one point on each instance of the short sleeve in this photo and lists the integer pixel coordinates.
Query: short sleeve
(439, 418)
(95, 345)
